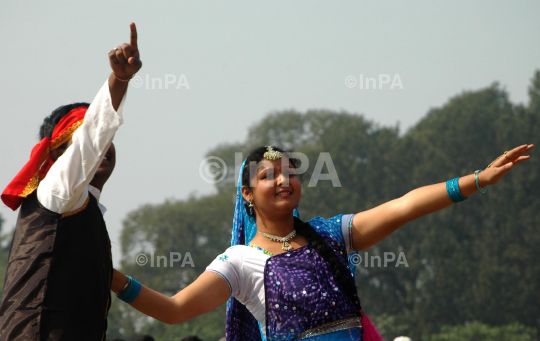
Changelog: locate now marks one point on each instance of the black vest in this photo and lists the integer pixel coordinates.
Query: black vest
(58, 277)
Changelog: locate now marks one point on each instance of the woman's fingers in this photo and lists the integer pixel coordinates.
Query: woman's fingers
(512, 155)
(517, 152)
(521, 159)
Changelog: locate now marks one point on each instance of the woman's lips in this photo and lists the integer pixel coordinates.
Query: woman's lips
(284, 194)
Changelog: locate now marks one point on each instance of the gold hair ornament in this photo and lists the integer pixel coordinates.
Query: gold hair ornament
(272, 154)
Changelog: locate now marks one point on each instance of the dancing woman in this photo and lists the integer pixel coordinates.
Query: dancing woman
(289, 279)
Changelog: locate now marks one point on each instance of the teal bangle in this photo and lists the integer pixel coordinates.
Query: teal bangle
(452, 188)
(132, 290)
(476, 180)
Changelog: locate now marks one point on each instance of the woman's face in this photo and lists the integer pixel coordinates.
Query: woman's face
(275, 187)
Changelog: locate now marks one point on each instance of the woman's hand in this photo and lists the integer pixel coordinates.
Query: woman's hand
(502, 165)
(125, 59)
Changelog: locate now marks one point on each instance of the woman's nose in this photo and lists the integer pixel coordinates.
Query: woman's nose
(283, 180)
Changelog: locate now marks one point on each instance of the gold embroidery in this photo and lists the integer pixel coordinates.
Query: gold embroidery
(68, 214)
(32, 185)
(66, 135)
(34, 181)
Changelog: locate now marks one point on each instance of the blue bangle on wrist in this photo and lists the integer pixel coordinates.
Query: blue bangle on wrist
(480, 189)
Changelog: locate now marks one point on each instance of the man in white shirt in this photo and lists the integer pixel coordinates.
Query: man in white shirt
(58, 278)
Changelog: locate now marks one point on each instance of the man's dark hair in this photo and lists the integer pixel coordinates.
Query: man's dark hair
(50, 122)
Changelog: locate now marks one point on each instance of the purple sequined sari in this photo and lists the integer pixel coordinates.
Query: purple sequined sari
(300, 288)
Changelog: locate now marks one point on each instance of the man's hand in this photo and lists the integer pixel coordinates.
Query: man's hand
(124, 59)
(125, 62)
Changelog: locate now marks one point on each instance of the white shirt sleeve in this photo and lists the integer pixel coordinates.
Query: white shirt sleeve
(229, 266)
(242, 268)
(65, 188)
(346, 229)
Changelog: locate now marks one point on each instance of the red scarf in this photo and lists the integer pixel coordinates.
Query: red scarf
(40, 161)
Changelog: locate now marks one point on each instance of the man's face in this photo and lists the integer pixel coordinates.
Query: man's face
(107, 164)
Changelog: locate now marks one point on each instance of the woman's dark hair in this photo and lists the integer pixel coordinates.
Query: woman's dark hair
(50, 122)
(341, 271)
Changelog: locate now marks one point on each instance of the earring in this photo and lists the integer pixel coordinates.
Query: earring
(250, 206)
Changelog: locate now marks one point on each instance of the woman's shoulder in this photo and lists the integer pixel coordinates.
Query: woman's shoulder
(236, 259)
(330, 227)
(331, 220)
(232, 256)
(320, 223)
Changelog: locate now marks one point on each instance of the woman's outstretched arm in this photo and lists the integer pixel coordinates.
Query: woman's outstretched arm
(206, 293)
(372, 226)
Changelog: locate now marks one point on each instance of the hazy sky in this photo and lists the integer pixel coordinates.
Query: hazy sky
(243, 60)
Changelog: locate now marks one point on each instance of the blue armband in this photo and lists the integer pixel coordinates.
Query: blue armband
(452, 188)
(131, 291)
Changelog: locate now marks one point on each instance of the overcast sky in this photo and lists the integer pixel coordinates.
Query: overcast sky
(241, 61)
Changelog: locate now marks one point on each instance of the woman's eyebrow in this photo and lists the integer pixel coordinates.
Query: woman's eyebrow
(265, 169)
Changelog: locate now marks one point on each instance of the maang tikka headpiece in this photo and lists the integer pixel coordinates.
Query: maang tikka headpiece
(272, 154)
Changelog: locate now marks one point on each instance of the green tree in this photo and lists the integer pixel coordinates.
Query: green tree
(481, 332)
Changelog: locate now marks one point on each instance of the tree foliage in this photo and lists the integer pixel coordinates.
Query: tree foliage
(482, 332)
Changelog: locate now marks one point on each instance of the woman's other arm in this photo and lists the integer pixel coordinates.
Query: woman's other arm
(206, 293)
(372, 226)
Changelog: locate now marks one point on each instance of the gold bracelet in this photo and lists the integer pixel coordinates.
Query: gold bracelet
(124, 80)
(125, 286)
